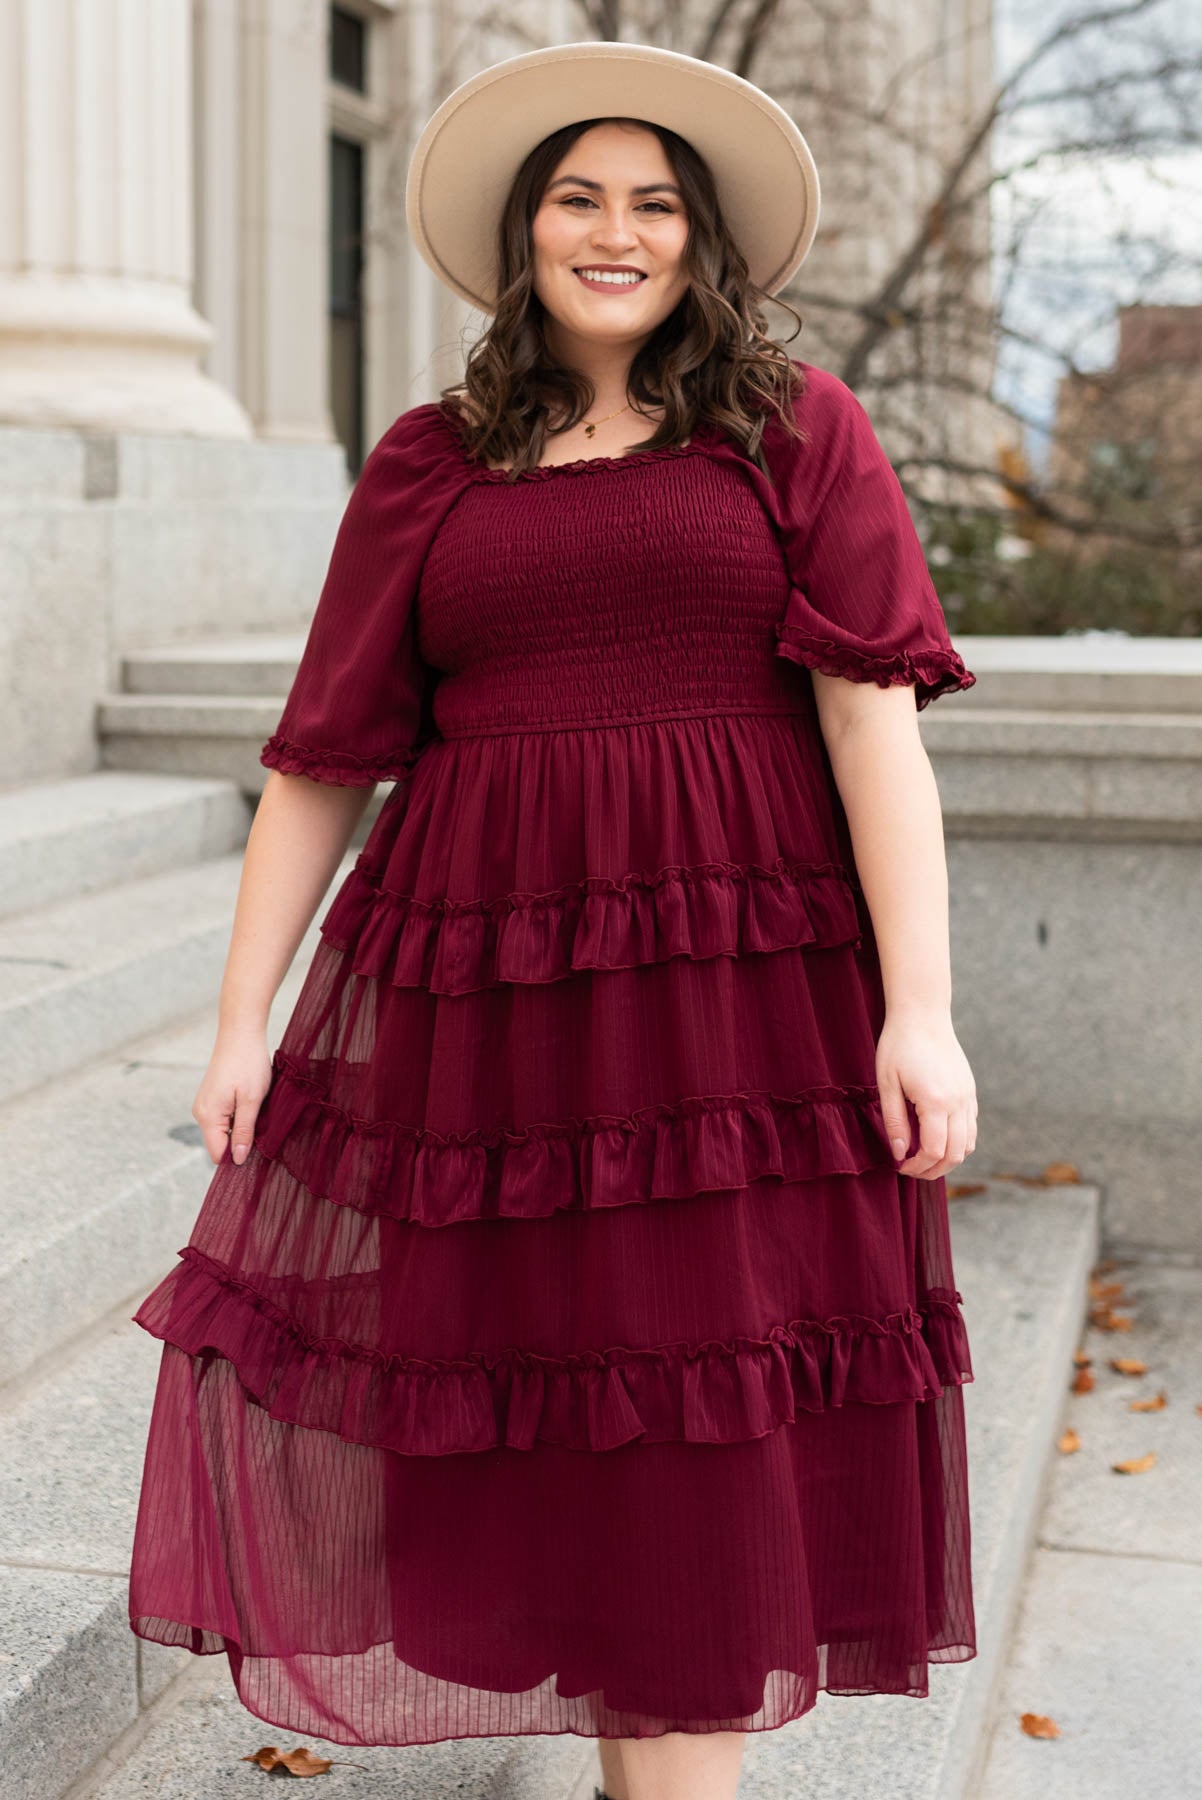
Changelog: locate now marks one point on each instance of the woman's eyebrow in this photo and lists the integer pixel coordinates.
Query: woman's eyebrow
(650, 187)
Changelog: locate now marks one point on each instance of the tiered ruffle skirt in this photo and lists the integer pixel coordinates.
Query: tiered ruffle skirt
(568, 1354)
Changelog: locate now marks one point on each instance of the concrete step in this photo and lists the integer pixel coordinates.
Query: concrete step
(200, 708)
(81, 977)
(103, 1173)
(68, 1502)
(68, 1682)
(1092, 671)
(256, 664)
(213, 735)
(74, 836)
(1108, 1642)
(1022, 1260)
(1084, 775)
(71, 1674)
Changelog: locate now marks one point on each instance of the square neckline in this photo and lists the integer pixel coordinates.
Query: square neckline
(579, 465)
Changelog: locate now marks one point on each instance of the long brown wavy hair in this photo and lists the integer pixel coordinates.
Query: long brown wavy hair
(711, 358)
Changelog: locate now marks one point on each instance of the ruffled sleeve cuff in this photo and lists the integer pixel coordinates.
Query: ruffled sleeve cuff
(338, 768)
(804, 636)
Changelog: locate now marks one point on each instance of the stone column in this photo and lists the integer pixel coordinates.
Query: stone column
(97, 326)
(284, 189)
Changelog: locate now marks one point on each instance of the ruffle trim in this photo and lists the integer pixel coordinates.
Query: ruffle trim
(932, 672)
(338, 767)
(703, 910)
(707, 1143)
(717, 1392)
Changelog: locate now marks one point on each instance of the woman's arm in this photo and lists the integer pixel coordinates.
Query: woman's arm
(299, 835)
(891, 800)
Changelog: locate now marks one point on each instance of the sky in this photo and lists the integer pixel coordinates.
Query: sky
(1080, 234)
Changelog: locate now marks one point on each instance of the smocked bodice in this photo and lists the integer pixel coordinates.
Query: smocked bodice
(605, 592)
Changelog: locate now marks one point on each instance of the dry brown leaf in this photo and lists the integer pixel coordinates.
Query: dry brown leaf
(1102, 1319)
(960, 1190)
(1128, 1365)
(1083, 1382)
(1155, 1404)
(1135, 1465)
(1039, 1725)
(300, 1761)
(267, 1757)
(1061, 1173)
(1106, 1290)
(303, 1762)
(1068, 1442)
(1082, 1358)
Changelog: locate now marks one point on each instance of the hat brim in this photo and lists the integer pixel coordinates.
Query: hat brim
(470, 149)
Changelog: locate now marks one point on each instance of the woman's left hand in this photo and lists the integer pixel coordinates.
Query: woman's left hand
(920, 1058)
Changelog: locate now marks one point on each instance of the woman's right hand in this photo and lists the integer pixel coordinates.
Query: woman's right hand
(298, 837)
(228, 1099)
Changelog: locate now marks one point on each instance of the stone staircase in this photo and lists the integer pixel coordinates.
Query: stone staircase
(114, 932)
(112, 941)
(199, 709)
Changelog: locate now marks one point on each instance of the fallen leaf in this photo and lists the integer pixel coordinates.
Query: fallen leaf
(1059, 1173)
(1082, 1358)
(1102, 1319)
(960, 1190)
(1128, 1365)
(267, 1757)
(1135, 1465)
(1039, 1725)
(1083, 1382)
(1106, 1290)
(1068, 1442)
(1155, 1404)
(300, 1761)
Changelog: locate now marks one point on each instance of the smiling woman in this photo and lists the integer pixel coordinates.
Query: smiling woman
(612, 246)
(575, 1345)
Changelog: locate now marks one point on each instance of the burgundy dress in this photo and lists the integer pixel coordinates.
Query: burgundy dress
(568, 1355)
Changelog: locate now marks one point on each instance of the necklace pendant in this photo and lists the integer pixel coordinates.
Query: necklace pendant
(590, 431)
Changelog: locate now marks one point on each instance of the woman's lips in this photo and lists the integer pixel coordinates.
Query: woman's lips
(610, 287)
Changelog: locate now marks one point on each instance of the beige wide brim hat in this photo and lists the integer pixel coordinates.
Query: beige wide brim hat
(472, 147)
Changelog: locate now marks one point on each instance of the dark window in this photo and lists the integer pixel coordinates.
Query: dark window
(346, 296)
(348, 49)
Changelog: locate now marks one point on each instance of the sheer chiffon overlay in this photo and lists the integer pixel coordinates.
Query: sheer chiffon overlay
(568, 1354)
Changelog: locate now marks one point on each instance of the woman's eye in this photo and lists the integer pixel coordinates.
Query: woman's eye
(572, 199)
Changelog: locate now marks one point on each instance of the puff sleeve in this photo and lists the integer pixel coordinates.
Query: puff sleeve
(360, 706)
(862, 603)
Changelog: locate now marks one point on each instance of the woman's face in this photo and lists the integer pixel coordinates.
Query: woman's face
(612, 204)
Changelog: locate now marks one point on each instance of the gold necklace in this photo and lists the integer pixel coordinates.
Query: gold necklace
(590, 430)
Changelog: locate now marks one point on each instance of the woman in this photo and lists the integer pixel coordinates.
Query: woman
(568, 1340)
